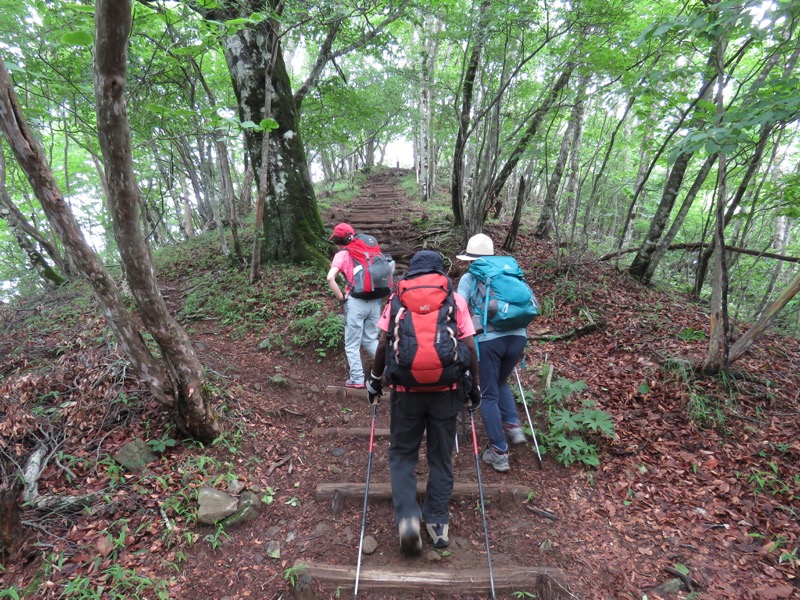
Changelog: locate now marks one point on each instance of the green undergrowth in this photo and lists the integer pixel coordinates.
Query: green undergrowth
(706, 407)
(340, 192)
(289, 308)
(574, 426)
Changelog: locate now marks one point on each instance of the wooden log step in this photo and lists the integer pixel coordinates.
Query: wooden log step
(468, 581)
(348, 431)
(342, 392)
(383, 491)
(367, 226)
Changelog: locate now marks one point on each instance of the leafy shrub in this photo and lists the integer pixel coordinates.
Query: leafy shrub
(691, 335)
(324, 331)
(571, 432)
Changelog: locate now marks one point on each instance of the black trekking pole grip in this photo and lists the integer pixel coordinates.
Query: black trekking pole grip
(366, 497)
(483, 506)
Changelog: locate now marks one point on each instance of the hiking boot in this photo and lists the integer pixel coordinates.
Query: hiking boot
(498, 460)
(438, 533)
(410, 541)
(352, 384)
(514, 434)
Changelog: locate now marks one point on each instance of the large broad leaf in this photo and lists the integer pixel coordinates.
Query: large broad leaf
(563, 420)
(598, 420)
(77, 38)
(571, 449)
(268, 124)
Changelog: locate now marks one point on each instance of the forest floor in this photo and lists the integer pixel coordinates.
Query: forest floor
(702, 474)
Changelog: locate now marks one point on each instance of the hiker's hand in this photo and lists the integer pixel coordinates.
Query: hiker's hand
(374, 388)
(474, 397)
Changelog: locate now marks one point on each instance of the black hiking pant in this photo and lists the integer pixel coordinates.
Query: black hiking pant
(413, 413)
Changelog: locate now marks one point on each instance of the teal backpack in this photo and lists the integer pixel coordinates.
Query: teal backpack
(500, 297)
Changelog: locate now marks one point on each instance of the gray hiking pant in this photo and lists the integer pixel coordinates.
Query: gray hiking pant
(412, 413)
(360, 329)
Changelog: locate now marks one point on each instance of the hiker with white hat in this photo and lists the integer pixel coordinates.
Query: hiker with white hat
(498, 354)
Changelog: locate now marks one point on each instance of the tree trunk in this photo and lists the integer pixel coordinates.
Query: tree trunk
(228, 200)
(188, 223)
(13, 534)
(244, 203)
(511, 237)
(755, 162)
(601, 172)
(532, 129)
(752, 168)
(719, 336)
(45, 271)
(32, 161)
(427, 160)
(705, 90)
(193, 412)
(672, 187)
(780, 241)
(204, 212)
(17, 220)
(17, 224)
(467, 91)
(664, 242)
(292, 227)
(659, 221)
(263, 171)
(217, 197)
(546, 222)
(572, 189)
(484, 203)
(547, 217)
(744, 343)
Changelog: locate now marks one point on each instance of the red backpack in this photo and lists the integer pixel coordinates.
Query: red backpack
(372, 269)
(423, 351)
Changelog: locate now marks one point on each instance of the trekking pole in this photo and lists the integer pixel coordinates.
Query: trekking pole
(366, 495)
(456, 440)
(463, 425)
(530, 422)
(483, 507)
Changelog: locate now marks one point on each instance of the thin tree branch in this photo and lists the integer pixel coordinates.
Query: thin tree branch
(698, 245)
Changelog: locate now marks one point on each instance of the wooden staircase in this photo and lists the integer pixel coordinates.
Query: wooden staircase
(421, 577)
(382, 211)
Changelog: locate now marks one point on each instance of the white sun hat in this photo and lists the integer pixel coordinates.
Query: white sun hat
(478, 245)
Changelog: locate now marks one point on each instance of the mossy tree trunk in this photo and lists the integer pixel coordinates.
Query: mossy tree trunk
(292, 227)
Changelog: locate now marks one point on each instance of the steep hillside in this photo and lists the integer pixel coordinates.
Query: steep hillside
(697, 486)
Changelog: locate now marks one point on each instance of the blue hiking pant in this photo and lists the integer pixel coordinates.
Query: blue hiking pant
(412, 413)
(360, 329)
(498, 357)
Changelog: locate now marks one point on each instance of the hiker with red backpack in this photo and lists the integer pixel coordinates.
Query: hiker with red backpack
(502, 305)
(427, 356)
(367, 273)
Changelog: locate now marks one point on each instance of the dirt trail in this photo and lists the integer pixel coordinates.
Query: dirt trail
(308, 419)
(665, 494)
